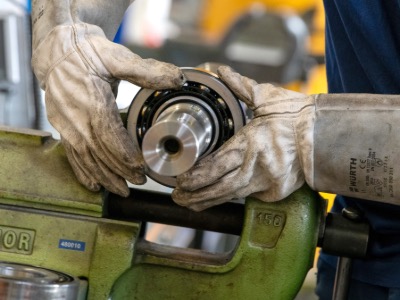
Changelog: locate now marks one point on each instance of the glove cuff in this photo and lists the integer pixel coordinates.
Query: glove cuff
(56, 46)
(63, 41)
(357, 146)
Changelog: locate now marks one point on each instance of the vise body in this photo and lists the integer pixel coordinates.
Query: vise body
(49, 221)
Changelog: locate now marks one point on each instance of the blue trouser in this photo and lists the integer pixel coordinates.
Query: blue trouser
(358, 290)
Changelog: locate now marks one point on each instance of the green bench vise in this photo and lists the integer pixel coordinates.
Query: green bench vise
(52, 223)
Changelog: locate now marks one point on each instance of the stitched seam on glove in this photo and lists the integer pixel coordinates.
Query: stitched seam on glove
(302, 150)
(84, 56)
(105, 78)
(287, 111)
(284, 114)
(57, 62)
(40, 69)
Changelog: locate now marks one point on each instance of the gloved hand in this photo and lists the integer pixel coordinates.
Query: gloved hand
(269, 158)
(79, 68)
(344, 144)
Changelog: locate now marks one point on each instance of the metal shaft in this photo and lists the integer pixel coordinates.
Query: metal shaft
(342, 279)
(159, 208)
(181, 134)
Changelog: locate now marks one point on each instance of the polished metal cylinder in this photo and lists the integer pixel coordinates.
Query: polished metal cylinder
(23, 282)
(180, 135)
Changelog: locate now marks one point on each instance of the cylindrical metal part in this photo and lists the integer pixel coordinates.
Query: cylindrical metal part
(147, 206)
(345, 237)
(342, 278)
(180, 135)
(23, 282)
(176, 128)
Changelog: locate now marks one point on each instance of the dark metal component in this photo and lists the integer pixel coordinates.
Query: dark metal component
(351, 213)
(345, 236)
(342, 237)
(148, 206)
(322, 221)
(357, 238)
(342, 278)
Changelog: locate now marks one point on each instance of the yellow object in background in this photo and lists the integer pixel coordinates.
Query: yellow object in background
(329, 198)
(218, 15)
(316, 81)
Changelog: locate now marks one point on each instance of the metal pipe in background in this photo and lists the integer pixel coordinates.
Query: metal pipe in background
(154, 207)
(342, 278)
(353, 232)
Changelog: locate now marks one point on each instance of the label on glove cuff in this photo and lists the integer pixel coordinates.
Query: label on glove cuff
(371, 174)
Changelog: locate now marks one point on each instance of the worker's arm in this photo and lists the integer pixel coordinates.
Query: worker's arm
(347, 144)
(79, 68)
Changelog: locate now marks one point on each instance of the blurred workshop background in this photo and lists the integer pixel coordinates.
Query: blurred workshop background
(278, 41)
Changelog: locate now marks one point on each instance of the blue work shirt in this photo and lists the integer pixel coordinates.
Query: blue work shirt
(363, 56)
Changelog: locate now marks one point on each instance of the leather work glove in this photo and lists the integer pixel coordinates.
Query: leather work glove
(337, 143)
(79, 68)
(262, 159)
